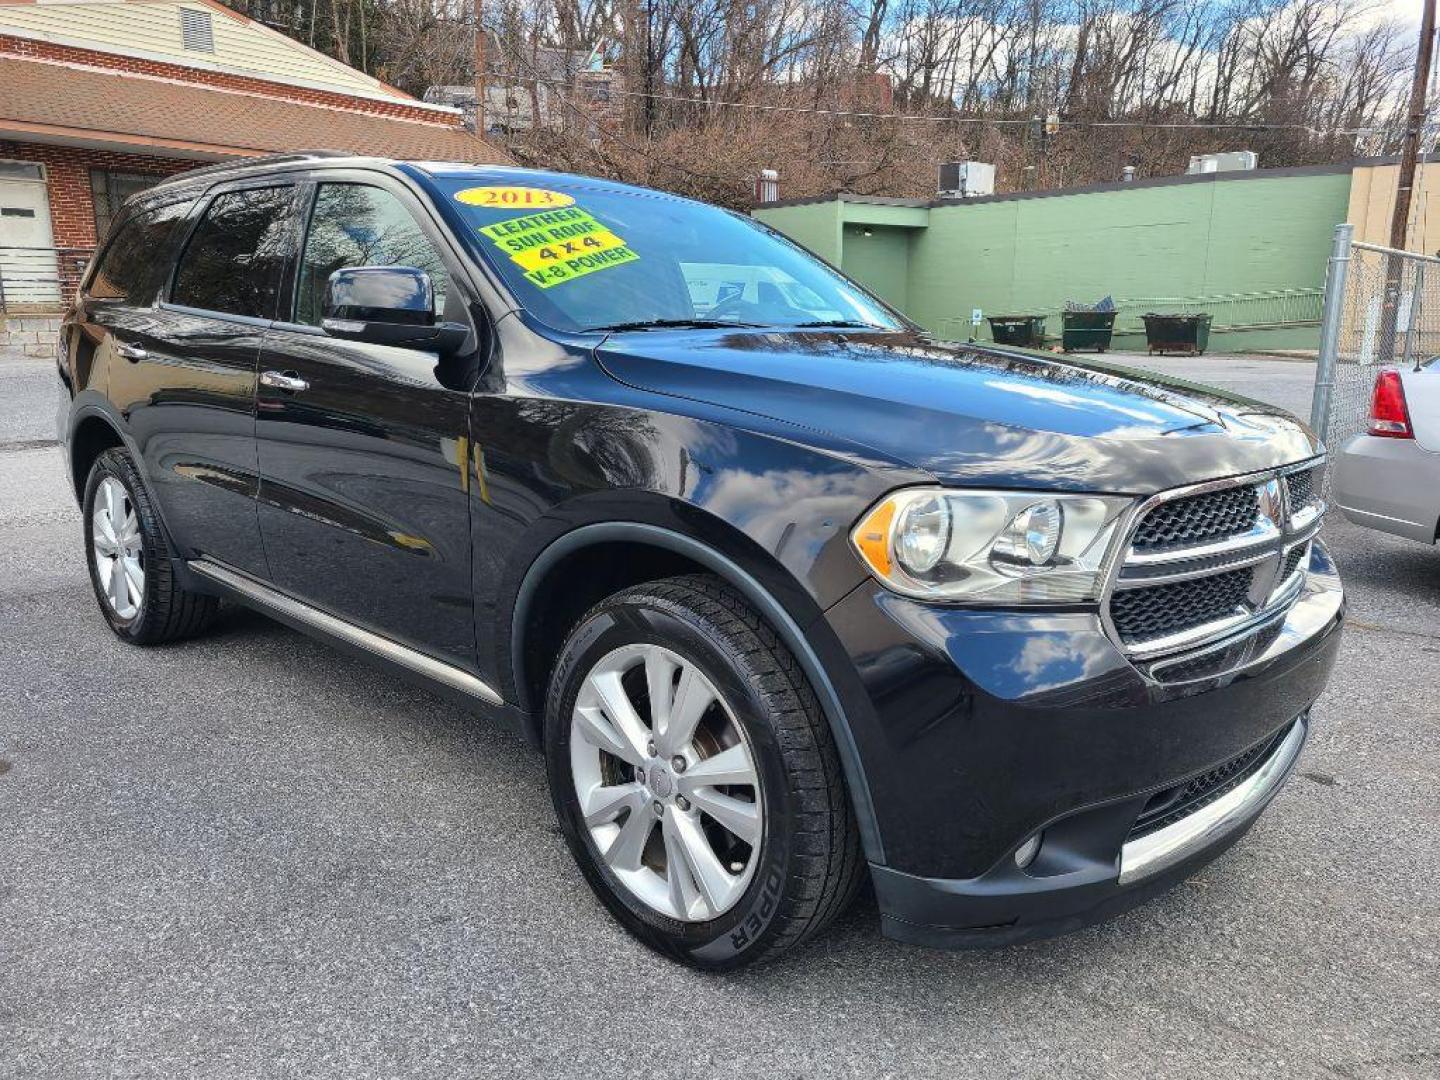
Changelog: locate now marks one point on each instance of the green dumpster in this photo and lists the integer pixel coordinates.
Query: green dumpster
(1177, 333)
(1087, 330)
(1027, 331)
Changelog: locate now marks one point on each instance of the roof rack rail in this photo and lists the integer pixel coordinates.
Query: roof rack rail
(261, 159)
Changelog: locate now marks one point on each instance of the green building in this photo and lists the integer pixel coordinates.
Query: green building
(1250, 248)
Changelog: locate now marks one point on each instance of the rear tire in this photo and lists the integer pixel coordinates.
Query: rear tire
(800, 866)
(132, 567)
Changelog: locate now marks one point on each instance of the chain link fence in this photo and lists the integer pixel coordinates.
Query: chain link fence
(1382, 309)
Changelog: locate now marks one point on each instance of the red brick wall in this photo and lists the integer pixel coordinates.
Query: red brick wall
(67, 176)
(44, 50)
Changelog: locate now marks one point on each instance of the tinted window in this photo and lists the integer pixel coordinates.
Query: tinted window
(355, 225)
(134, 264)
(585, 258)
(234, 258)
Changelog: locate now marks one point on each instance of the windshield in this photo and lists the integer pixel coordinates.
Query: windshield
(586, 259)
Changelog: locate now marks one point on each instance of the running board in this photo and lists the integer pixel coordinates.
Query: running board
(288, 607)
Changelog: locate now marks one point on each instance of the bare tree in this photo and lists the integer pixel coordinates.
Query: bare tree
(869, 95)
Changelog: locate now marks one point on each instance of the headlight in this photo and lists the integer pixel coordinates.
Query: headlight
(993, 547)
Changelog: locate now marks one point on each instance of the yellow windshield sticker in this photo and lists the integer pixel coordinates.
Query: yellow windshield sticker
(514, 198)
(555, 246)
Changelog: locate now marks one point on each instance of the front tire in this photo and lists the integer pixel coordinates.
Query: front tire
(695, 778)
(132, 567)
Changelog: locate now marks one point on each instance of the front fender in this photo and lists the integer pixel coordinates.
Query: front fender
(815, 647)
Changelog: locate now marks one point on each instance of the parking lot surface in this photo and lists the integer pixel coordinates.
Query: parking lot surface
(247, 856)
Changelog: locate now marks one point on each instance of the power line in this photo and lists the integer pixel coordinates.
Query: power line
(915, 118)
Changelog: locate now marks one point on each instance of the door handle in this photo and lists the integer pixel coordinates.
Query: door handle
(284, 380)
(133, 353)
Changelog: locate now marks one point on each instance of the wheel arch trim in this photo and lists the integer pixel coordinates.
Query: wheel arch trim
(756, 594)
(100, 410)
(84, 412)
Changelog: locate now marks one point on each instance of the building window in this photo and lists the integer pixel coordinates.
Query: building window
(20, 170)
(109, 190)
(197, 32)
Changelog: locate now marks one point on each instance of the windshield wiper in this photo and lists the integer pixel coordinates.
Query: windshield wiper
(839, 324)
(669, 324)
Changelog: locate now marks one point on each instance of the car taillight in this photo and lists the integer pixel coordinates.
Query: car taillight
(1389, 416)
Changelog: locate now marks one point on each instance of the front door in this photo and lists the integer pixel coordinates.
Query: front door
(364, 504)
(29, 268)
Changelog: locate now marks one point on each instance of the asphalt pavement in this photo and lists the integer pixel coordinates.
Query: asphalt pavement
(247, 856)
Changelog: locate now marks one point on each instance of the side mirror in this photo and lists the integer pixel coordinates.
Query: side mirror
(387, 305)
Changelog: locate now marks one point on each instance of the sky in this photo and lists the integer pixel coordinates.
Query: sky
(1409, 10)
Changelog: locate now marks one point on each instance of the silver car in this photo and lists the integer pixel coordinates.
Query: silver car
(1389, 477)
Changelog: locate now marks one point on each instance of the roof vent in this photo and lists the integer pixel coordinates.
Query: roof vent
(1236, 161)
(966, 179)
(197, 32)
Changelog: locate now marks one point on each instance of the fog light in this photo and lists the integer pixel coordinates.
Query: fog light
(1025, 853)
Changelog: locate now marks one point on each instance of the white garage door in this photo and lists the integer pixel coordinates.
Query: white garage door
(29, 271)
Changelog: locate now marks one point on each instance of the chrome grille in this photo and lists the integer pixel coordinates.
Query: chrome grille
(1160, 610)
(1291, 562)
(1303, 488)
(1211, 563)
(1197, 519)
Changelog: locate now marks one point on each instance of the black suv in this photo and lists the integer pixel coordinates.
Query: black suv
(791, 594)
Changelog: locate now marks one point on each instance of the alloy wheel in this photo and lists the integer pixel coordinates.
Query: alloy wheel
(118, 547)
(666, 782)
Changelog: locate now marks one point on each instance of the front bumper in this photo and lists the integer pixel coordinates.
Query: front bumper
(1063, 890)
(981, 729)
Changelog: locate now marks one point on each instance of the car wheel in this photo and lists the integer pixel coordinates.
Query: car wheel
(695, 778)
(131, 565)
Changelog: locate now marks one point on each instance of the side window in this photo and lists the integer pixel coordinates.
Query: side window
(235, 255)
(356, 225)
(134, 263)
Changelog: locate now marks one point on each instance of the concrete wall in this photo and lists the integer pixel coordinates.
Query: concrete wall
(1250, 250)
(878, 257)
(814, 226)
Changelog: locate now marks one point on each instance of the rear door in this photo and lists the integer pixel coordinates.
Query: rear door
(116, 314)
(364, 493)
(188, 386)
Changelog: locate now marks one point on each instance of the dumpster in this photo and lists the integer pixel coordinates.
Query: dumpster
(1087, 330)
(1177, 333)
(1027, 331)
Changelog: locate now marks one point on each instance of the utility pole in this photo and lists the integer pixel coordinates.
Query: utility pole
(480, 68)
(1405, 181)
(649, 69)
(1414, 123)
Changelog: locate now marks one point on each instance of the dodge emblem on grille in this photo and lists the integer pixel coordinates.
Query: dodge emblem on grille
(1267, 574)
(1272, 501)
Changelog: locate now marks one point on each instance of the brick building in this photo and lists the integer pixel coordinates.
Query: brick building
(101, 99)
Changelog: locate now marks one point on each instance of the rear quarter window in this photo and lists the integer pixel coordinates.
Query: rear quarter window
(134, 264)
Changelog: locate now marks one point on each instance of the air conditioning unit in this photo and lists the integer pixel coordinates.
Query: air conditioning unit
(966, 179)
(1236, 161)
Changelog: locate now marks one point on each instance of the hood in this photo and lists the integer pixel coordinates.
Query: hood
(967, 414)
